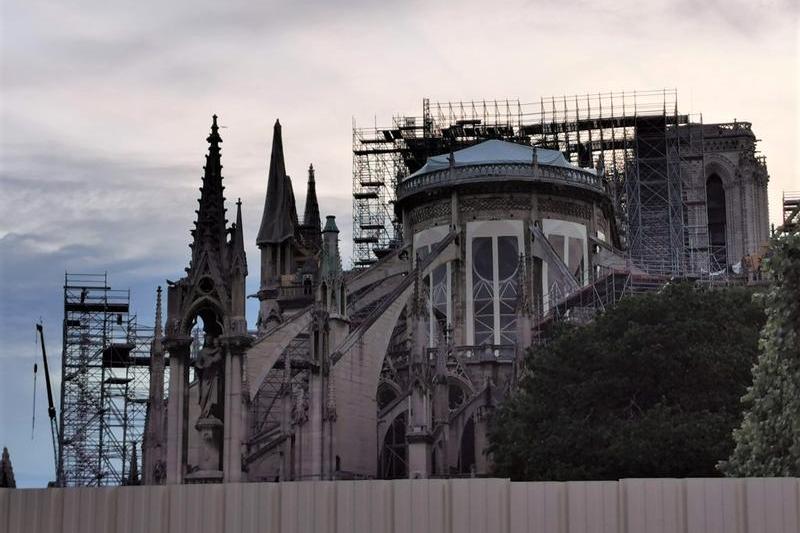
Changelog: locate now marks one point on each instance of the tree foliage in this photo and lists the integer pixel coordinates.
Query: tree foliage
(768, 441)
(650, 388)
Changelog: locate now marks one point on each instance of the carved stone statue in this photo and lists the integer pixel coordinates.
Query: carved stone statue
(208, 368)
(300, 403)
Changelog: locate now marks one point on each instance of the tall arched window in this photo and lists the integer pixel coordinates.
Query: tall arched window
(715, 206)
(493, 249)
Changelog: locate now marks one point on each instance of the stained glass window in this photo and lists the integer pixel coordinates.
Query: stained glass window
(494, 289)
(436, 292)
(483, 290)
(440, 295)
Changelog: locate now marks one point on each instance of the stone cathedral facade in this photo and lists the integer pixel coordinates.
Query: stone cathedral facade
(394, 370)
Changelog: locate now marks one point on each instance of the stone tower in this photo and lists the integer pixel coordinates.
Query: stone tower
(208, 417)
(277, 235)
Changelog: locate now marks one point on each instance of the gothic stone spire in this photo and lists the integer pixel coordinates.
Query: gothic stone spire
(311, 215)
(278, 223)
(6, 471)
(238, 258)
(210, 232)
(158, 333)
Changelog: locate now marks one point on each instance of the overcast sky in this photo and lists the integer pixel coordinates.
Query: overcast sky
(106, 105)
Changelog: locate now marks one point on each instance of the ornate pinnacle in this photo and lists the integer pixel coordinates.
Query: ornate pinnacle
(156, 346)
(442, 349)
(214, 137)
(418, 304)
(330, 404)
(158, 329)
(600, 166)
(523, 298)
(210, 229)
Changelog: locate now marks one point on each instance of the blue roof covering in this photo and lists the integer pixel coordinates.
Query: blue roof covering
(495, 152)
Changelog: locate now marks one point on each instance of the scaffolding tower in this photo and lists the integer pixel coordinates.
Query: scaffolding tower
(104, 383)
(639, 138)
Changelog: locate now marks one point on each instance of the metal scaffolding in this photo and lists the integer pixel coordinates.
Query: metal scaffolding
(377, 162)
(643, 144)
(104, 383)
(791, 211)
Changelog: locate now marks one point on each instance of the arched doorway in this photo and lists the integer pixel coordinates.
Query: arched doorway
(466, 454)
(394, 454)
(717, 222)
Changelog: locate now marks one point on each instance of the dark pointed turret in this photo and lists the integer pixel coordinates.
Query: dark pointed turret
(158, 332)
(209, 231)
(133, 475)
(312, 225)
(7, 480)
(238, 258)
(278, 223)
(311, 216)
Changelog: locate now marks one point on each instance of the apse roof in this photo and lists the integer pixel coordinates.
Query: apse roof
(494, 152)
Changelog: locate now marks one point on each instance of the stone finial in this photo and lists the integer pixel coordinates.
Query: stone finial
(7, 480)
(600, 166)
(133, 476)
(523, 294)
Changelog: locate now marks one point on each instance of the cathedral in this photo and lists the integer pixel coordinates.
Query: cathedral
(394, 370)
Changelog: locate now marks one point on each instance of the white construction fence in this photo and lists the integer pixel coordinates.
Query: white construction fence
(420, 506)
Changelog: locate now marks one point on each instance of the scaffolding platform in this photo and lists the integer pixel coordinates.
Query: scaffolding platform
(642, 138)
(105, 373)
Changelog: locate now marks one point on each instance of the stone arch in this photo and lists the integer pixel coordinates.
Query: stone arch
(462, 417)
(723, 168)
(393, 449)
(388, 391)
(716, 218)
(466, 448)
(465, 387)
(262, 355)
(203, 307)
(357, 365)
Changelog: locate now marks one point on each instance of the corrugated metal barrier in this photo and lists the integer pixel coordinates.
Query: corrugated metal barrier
(459, 505)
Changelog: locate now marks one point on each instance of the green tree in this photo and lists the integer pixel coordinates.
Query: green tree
(650, 388)
(768, 440)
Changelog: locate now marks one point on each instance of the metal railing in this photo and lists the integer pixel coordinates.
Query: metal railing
(487, 173)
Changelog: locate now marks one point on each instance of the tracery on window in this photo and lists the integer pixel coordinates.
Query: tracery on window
(507, 266)
(436, 292)
(495, 261)
(483, 290)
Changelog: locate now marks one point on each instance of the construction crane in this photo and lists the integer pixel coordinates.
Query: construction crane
(51, 408)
